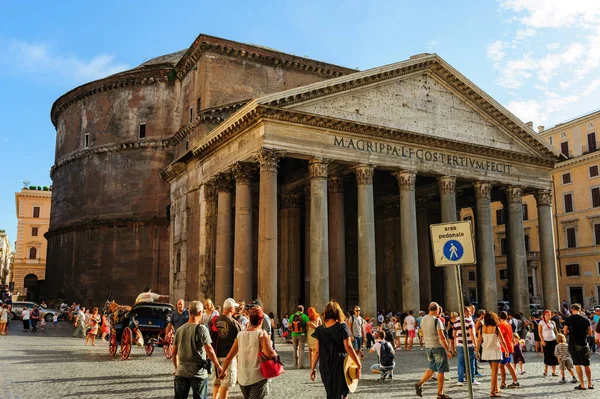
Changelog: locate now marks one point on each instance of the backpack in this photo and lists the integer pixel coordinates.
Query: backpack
(386, 357)
(298, 325)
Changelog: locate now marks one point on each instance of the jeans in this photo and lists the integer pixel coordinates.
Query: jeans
(299, 343)
(357, 343)
(461, 363)
(183, 384)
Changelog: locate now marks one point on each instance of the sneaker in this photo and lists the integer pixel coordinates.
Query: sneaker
(514, 385)
(563, 381)
(574, 380)
(478, 375)
(476, 382)
(460, 384)
(419, 390)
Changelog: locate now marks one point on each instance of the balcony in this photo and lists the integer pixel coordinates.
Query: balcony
(586, 149)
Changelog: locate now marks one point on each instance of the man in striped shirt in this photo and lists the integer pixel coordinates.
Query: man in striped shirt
(470, 328)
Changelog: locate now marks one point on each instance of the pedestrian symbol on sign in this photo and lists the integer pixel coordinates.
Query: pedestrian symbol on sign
(453, 250)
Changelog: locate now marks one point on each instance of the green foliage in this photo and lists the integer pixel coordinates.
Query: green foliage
(45, 188)
(32, 187)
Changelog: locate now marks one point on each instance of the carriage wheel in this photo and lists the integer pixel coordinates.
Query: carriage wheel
(112, 343)
(168, 344)
(149, 349)
(126, 343)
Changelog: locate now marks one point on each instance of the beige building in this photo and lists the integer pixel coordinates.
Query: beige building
(33, 214)
(5, 257)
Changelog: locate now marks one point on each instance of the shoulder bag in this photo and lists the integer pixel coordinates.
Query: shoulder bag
(270, 367)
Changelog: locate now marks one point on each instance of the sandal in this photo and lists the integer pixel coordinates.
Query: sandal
(495, 395)
(580, 388)
(554, 375)
(590, 387)
(443, 396)
(502, 386)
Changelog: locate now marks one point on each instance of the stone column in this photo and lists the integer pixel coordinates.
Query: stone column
(517, 266)
(242, 250)
(289, 272)
(337, 241)
(409, 245)
(447, 186)
(547, 251)
(319, 234)
(366, 240)
(224, 256)
(208, 207)
(307, 244)
(424, 253)
(486, 259)
(267, 228)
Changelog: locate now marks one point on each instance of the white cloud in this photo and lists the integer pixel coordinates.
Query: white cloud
(524, 33)
(40, 59)
(540, 110)
(432, 43)
(495, 51)
(553, 46)
(515, 72)
(591, 87)
(555, 13)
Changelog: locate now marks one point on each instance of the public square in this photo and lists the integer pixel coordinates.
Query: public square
(51, 364)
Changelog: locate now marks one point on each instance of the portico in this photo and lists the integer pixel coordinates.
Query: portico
(353, 170)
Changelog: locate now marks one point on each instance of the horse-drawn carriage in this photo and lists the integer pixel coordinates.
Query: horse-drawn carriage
(144, 324)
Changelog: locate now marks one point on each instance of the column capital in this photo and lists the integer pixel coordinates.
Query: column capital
(483, 189)
(543, 197)
(364, 173)
(514, 194)
(243, 172)
(317, 168)
(406, 179)
(290, 199)
(210, 192)
(447, 184)
(335, 184)
(268, 159)
(222, 182)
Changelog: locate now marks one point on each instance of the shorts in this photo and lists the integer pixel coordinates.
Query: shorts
(420, 332)
(566, 364)
(357, 343)
(378, 367)
(231, 378)
(438, 360)
(580, 355)
(506, 359)
(412, 333)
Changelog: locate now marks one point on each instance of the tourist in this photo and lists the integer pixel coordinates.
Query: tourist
(436, 349)
(266, 325)
(535, 327)
(596, 321)
(285, 323)
(298, 324)
(419, 332)
(273, 327)
(357, 325)
(334, 343)
(246, 347)
(149, 296)
(564, 357)
(385, 356)
(471, 337)
(491, 342)
(314, 321)
(191, 347)
(35, 318)
(369, 331)
(547, 331)
(227, 331)
(79, 323)
(506, 361)
(478, 326)
(577, 328)
(93, 322)
(210, 312)
(397, 330)
(25, 318)
(105, 328)
(410, 328)
(3, 319)
(240, 315)
(518, 359)
(179, 316)
(450, 331)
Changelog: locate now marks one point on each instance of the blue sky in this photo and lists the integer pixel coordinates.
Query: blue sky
(539, 58)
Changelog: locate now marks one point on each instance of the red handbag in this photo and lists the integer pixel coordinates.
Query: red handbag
(270, 367)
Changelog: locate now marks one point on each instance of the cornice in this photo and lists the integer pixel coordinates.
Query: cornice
(125, 146)
(133, 77)
(570, 123)
(205, 43)
(579, 159)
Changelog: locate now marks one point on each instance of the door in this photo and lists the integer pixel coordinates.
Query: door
(576, 294)
(591, 138)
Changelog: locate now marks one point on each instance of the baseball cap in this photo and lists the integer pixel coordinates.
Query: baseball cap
(254, 303)
(230, 303)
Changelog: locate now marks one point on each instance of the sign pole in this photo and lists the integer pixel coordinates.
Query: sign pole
(463, 328)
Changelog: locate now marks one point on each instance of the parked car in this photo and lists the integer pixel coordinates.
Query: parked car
(503, 306)
(535, 308)
(47, 313)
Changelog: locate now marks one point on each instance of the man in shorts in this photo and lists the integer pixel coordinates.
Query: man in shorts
(410, 326)
(437, 351)
(357, 325)
(228, 329)
(577, 328)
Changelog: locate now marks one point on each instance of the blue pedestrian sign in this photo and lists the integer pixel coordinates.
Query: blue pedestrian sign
(453, 250)
(452, 244)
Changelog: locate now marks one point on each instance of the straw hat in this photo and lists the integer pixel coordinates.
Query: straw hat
(351, 373)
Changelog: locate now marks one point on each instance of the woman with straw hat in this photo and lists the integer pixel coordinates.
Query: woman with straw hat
(339, 366)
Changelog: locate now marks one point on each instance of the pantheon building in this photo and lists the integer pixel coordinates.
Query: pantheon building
(234, 170)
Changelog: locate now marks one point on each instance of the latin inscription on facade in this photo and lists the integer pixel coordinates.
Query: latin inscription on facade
(402, 151)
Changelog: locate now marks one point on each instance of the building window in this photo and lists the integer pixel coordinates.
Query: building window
(471, 276)
(566, 178)
(591, 139)
(595, 197)
(86, 140)
(550, 140)
(32, 253)
(191, 114)
(568, 200)
(34, 231)
(594, 171)
(572, 270)
(525, 213)
(178, 262)
(503, 246)
(36, 211)
(500, 217)
(527, 243)
(571, 238)
(598, 268)
(564, 148)
(187, 145)
(142, 131)
(503, 274)
(597, 233)
(198, 104)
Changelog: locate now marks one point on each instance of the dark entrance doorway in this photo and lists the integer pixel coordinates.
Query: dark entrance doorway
(30, 283)
(576, 294)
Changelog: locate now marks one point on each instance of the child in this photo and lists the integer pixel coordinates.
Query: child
(566, 362)
(43, 323)
(55, 319)
(518, 358)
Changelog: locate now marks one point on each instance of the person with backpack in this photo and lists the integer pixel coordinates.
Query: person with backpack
(385, 354)
(35, 317)
(297, 325)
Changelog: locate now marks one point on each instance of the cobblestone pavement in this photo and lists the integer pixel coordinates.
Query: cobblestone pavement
(52, 364)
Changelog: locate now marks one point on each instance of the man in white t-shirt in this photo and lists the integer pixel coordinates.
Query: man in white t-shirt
(410, 326)
(149, 296)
